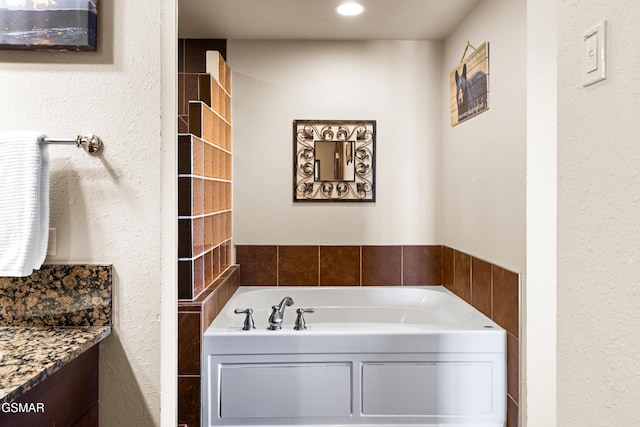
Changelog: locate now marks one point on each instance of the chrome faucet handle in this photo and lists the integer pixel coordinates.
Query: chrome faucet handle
(300, 323)
(248, 320)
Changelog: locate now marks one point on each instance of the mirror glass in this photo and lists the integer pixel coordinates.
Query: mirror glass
(334, 160)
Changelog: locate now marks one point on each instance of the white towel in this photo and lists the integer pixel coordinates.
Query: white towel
(24, 203)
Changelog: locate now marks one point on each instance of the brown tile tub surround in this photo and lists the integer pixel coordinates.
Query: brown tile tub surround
(422, 265)
(491, 289)
(259, 264)
(382, 265)
(495, 292)
(340, 266)
(332, 265)
(194, 317)
(298, 265)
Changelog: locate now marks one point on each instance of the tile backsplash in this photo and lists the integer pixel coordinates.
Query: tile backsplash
(265, 265)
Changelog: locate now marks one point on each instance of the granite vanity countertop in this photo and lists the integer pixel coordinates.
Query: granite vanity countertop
(31, 354)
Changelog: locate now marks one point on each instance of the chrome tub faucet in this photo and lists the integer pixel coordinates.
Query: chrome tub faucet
(277, 313)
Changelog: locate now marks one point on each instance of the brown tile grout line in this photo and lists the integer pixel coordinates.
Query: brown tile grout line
(491, 291)
(401, 265)
(442, 265)
(360, 270)
(470, 280)
(188, 312)
(184, 55)
(453, 272)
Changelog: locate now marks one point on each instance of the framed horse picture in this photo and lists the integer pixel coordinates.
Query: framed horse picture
(469, 85)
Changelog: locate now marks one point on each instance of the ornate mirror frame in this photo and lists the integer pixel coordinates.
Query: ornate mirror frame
(352, 176)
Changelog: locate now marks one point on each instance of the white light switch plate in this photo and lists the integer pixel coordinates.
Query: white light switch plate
(594, 52)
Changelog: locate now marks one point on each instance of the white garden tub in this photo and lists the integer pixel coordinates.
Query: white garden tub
(370, 356)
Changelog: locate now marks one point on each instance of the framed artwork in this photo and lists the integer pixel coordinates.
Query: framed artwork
(334, 160)
(48, 24)
(469, 85)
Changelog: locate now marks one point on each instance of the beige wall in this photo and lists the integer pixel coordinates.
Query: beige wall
(482, 207)
(538, 302)
(394, 82)
(482, 203)
(598, 211)
(107, 209)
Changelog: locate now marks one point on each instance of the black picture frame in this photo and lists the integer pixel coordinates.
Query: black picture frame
(360, 138)
(69, 25)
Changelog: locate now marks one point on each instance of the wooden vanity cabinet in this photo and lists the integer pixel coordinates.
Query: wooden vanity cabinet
(69, 396)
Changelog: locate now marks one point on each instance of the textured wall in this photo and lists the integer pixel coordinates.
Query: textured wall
(598, 228)
(539, 290)
(393, 82)
(482, 206)
(106, 208)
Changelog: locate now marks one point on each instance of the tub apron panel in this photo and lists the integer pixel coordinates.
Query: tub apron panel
(355, 372)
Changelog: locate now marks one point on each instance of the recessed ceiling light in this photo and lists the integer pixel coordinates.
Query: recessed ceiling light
(350, 9)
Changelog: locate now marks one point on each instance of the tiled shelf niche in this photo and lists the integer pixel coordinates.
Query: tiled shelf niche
(204, 184)
(206, 279)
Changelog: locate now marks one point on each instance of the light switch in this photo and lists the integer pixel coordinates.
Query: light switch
(594, 45)
(592, 54)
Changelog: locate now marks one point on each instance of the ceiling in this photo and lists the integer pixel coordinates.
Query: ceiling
(317, 19)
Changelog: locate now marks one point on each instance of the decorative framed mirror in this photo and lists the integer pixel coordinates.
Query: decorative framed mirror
(334, 160)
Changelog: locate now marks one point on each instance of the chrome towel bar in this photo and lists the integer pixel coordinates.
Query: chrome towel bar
(92, 144)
